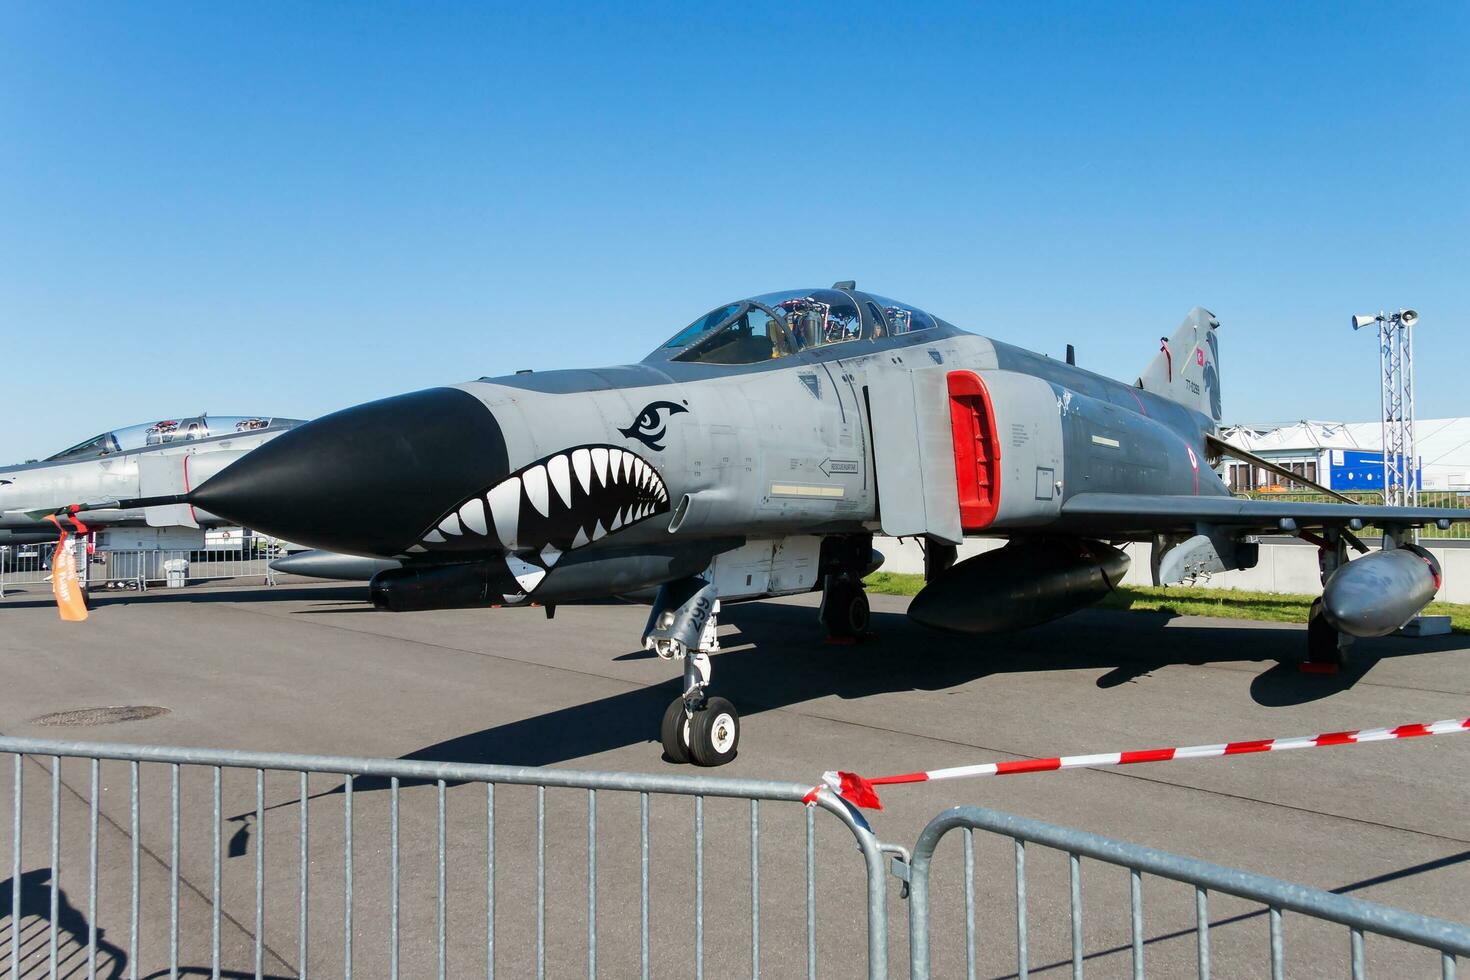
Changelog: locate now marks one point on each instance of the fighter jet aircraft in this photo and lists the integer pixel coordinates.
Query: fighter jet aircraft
(757, 451)
(155, 458)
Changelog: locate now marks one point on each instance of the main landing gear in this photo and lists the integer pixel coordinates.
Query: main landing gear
(1326, 650)
(683, 626)
(845, 610)
(1326, 645)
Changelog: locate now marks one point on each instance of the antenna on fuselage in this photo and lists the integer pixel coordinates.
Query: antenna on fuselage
(1071, 355)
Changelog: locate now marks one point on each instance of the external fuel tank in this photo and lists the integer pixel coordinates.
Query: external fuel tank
(1026, 583)
(1378, 593)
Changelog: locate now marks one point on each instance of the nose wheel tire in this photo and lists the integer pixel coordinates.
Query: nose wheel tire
(714, 733)
(674, 732)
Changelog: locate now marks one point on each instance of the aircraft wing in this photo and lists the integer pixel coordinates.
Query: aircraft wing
(1114, 513)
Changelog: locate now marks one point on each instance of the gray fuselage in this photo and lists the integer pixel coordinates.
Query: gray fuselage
(589, 482)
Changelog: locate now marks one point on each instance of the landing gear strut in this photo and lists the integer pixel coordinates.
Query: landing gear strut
(1326, 645)
(683, 626)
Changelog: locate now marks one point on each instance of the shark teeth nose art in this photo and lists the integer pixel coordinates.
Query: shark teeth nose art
(557, 504)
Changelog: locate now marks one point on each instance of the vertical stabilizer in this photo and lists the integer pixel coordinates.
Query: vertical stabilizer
(1187, 367)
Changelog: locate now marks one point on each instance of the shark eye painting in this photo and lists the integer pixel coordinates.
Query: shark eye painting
(650, 426)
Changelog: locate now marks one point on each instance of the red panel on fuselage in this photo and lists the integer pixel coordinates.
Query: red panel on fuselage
(976, 450)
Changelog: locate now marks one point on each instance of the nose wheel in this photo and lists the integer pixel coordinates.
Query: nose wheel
(707, 735)
(674, 732)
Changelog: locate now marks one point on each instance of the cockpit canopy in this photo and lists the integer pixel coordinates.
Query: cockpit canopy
(170, 430)
(776, 325)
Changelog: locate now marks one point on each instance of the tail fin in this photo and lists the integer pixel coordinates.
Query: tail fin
(1187, 367)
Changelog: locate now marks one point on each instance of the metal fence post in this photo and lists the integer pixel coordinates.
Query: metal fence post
(15, 869)
(872, 851)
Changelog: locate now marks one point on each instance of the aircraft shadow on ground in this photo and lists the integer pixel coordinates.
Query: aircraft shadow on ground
(781, 661)
(99, 599)
(335, 599)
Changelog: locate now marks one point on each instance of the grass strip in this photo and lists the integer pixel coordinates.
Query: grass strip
(1268, 607)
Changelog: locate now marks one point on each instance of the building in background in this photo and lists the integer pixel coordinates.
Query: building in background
(1346, 456)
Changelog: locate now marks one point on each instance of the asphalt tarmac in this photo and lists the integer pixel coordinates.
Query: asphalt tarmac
(310, 668)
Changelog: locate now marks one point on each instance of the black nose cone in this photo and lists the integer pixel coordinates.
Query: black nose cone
(368, 480)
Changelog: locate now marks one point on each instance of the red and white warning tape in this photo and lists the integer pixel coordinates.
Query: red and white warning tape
(861, 792)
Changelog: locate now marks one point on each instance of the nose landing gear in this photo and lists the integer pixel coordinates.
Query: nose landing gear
(683, 626)
(705, 730)
(697, 728)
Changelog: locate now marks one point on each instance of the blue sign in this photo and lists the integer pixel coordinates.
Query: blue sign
(1353, 469)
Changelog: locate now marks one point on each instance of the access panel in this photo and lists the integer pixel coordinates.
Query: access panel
(913, 454)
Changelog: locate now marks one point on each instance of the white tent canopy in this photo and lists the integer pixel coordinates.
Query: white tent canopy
(1443, 444)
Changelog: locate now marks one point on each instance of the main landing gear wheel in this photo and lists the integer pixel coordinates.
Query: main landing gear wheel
(714, 733)
(845, 610)
(1324, 650)
(674, 732)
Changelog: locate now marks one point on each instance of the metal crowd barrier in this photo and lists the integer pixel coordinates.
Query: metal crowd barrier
(357, 775)
(1448, 939)
(22, 565)
(30, 564)
(367, 920)
(140, 569)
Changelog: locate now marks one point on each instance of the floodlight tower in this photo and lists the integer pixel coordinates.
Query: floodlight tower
(1396, 398)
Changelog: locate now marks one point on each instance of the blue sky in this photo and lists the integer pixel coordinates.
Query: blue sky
(291, 208)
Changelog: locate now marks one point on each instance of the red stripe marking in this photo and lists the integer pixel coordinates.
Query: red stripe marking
(1147, 755)
(1027, 765)
(908, 777)
(1336, 738)
(192, 515)
(1409, 731)
(1259, 745)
